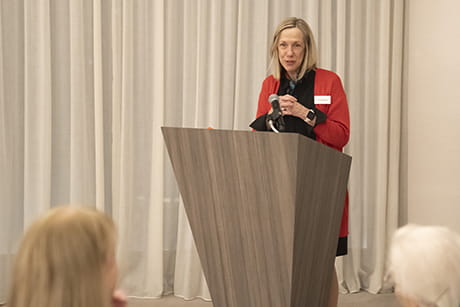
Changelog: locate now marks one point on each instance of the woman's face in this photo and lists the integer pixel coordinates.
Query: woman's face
(291, 51)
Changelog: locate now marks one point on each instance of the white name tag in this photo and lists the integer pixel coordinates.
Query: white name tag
(322, 99)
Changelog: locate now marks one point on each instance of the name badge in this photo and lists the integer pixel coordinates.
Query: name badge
(322, 99)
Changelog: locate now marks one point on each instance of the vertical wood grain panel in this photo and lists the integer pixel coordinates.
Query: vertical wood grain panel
(264, 210)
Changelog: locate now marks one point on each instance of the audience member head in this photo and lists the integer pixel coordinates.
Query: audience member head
(66, 258)
(424, 262)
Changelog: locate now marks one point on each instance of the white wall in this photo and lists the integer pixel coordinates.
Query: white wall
(432, 98)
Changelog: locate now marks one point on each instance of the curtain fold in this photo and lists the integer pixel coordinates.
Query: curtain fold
(99, 120)
(373, 82)
(138, 155)
(37, 109)
(86, 85)
(5, 166)
(11, 134)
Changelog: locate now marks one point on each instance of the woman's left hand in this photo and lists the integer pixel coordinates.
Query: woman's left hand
(290, 106)
(119, 299)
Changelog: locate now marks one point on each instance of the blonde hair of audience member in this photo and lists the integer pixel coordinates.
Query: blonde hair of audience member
(66, 258)
(310, 56)
(424, 262)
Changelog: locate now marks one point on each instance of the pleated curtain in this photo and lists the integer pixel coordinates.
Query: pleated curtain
(86, 85)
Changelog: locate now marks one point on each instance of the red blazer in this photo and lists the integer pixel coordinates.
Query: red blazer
(335, 131)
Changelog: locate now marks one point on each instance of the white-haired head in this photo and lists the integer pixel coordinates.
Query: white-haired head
(424, 262)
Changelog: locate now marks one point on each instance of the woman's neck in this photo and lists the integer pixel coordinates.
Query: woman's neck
(292, 76)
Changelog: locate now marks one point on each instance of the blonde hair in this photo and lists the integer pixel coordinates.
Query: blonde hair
(424, 262)
(310, 59)
(62, 260)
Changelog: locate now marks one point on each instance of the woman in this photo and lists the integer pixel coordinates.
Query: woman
(312, 101)
(424, 262)
(67, 258)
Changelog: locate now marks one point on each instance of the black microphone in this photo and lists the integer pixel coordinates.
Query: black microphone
(276, 117)
(274, 101)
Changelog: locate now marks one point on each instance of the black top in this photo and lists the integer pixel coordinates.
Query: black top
(303, 91)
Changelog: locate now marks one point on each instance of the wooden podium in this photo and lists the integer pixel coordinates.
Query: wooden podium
(265, 212)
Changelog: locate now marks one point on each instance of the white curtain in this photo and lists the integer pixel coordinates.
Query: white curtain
(86, 85)
(372, 72)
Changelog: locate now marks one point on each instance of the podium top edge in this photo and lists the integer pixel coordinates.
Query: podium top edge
(284, 134)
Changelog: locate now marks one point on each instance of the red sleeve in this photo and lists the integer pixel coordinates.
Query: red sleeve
(269, 86)
(335, 131)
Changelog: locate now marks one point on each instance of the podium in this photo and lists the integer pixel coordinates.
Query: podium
(265, 212)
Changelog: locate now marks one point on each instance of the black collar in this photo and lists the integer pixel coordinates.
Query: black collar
(304, 88)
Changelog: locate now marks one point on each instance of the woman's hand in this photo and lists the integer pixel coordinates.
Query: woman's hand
(119, 299)
(290, 106)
